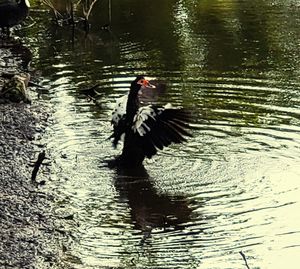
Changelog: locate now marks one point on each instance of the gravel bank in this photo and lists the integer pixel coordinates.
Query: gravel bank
(28, 237)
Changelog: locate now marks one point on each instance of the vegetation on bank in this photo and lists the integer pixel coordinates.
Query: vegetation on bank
(70, 12)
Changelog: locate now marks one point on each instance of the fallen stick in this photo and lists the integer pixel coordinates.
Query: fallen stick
(244, 258)
(37, 165)
(91, 91)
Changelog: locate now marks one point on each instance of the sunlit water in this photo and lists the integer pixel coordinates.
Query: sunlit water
(233, 187)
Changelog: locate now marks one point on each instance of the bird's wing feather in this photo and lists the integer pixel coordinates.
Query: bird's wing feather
(118, 119)
(119, 110)
(158, 127)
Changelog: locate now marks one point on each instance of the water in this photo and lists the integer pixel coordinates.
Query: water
(233, 187)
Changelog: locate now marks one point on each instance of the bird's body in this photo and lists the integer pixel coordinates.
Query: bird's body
(13, 13)
(145, 129)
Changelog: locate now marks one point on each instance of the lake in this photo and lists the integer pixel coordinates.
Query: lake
(234, 186)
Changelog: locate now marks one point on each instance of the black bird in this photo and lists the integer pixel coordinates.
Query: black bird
(12, 12)
(146, 128)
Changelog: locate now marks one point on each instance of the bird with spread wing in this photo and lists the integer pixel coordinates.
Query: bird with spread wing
(146, 129)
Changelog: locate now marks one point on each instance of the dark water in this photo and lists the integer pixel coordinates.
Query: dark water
(233, 187)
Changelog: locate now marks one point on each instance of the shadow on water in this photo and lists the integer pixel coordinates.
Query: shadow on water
(148, 208)
(15, 54)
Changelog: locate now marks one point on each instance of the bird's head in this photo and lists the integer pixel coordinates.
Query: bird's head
(140, 82)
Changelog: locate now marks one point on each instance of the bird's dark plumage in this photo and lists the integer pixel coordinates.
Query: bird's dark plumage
(13, 12)
(146, 129)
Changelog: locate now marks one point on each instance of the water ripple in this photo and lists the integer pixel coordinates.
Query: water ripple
(233, 186)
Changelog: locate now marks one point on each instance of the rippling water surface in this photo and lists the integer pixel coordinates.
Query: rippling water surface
(233, 187)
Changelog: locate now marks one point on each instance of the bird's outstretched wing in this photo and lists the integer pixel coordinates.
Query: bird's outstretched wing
(118, 119)
(157, 127)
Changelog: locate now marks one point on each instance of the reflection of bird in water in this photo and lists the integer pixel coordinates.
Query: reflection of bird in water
(149, 209)
(12, 13)
(21, 52)
(147, 128)
(15, 55)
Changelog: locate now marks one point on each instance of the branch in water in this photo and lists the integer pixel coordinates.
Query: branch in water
(244, 258)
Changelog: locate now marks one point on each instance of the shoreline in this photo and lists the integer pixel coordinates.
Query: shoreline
(29, 237)
(31, 233)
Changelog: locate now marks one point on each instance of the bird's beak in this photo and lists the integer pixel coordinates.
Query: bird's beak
(147, 84)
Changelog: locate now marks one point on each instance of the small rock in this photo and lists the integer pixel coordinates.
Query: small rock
(15, 90)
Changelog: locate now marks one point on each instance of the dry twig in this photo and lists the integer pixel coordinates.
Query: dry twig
(55, 11)
(87, 9)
